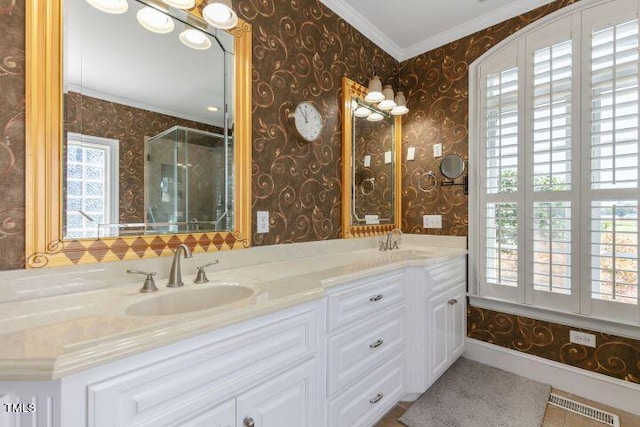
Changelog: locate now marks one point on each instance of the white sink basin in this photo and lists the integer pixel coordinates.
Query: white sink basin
(426, 253)
(188, 300)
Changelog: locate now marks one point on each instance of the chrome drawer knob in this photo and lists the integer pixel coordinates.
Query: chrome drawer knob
(376, 298)
(248, 422)
(452, 301)
(377, 343)
(376, 399)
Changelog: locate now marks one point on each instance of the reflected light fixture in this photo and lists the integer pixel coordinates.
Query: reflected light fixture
(213, 108)
(181, 4)
(401, 105)
(115, 7)
(387, 103)
(154, 20)
(362, 112)
(220, 14)
(375, 117)
(195, 39)
(374, 93)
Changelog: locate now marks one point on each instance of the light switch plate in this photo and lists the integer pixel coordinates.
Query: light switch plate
(387, 157)
(437, 150)
(367, 161)
(432, 221)
(411, 153)
(582, 338)
(263, 221)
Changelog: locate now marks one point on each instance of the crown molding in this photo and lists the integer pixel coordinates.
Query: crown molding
(362, 24)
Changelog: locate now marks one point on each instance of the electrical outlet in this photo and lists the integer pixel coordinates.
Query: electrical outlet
(437, 150)
(582, 338)
(411, 153)
(263, 221)
(432, 221)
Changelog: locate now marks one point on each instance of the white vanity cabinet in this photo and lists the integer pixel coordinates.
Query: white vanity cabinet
(436, 320)
(365, 349)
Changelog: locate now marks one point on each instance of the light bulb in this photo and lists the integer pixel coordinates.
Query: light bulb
(195, 39)
(220, 14)
(115, 7)
(181, 4)
(154, 20)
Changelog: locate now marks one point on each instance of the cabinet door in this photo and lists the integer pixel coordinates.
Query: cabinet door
(289, 400)
(223, 415)
(439, 342)
(457, 323)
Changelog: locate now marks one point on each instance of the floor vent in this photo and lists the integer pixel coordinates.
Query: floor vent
(585, 410)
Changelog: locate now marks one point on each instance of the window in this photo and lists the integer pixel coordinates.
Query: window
(92, 185)
(554, 218)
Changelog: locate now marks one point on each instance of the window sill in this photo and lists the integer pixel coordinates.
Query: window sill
(563, 318)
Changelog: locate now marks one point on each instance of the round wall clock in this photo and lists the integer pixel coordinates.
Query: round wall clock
(307, 120)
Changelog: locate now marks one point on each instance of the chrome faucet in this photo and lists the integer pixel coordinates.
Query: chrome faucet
(175, 276)
(390, 243)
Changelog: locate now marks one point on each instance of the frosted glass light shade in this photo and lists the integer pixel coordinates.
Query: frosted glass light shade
(114, 7)
(375, 117)
(181, 4)
(154, 20)
(195, 39)
(220, 14)
(401, 105)
(387, 103)
(362, 112)
(374, 94)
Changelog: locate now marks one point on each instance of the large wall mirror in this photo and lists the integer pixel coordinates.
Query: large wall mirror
(139, 132)
(371, 165)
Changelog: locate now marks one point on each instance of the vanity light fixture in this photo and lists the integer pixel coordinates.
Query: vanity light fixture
(181, 4)
(213, 108)
(401, 105)
(154, 20)
(387, 103)
(114, 7)
(195, 39)
(362, 112)
(220, 14)
(374, 93)
(375, 117)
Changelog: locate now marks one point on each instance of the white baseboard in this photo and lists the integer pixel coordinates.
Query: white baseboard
(601, 388)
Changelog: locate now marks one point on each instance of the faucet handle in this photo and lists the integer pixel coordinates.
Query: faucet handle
(201, 277)
(149, 283)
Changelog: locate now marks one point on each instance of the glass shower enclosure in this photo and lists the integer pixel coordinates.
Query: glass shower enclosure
(188, 181)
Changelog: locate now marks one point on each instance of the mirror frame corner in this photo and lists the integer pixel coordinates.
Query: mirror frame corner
(44, 243)
(351, 89)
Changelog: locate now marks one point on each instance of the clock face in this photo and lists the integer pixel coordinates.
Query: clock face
(308, 121)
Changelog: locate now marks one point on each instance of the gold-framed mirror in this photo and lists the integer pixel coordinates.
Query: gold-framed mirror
(142, 230)
(371, 159)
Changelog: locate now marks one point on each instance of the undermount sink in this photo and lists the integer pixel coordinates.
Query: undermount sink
(188, 300)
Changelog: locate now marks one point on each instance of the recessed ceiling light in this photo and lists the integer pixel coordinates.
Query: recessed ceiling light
(154, 20)
(181, 4)
(195, 39)
(110, 6)
(220, 14)
(213, 109)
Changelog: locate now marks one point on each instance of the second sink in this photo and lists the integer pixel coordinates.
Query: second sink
(188, 300)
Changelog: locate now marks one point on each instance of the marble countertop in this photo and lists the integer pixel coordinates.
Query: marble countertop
(52, 337)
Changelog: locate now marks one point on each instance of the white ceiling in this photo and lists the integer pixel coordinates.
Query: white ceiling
(407, 28)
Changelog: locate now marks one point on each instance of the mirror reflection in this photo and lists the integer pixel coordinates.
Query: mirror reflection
(148, 123)
(452, 166)
(373, 167)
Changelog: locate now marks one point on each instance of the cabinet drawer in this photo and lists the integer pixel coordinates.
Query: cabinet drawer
(446, 274)
(361, 301)
(357, 350)
(369, 399)
(186, 382)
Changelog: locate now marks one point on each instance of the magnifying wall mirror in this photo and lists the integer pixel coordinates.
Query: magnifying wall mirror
(452, 166)
(141, 140)
(371, 164)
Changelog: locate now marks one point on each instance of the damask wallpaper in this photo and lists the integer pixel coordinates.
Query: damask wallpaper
(436, 84)
(613, 356)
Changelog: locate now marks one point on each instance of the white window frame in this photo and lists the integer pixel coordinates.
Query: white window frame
(579, 309)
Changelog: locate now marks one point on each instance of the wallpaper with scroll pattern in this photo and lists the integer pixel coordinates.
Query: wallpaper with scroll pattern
(301, 50)
(12, 126)
(129, 125)
(437, 87)
(613, 356)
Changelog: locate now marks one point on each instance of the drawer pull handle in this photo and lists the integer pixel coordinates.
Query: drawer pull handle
(377, 343)
(376, 298)
(452, 301)
(248, 422)
(376, 399)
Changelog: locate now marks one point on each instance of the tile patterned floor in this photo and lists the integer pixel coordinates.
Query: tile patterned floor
(553, 417)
